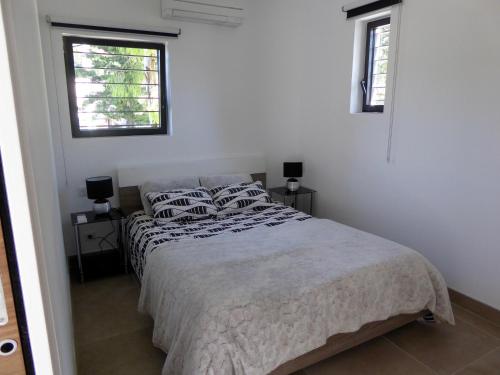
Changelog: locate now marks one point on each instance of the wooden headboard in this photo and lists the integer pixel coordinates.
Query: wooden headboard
(131, 177)
(130, 197)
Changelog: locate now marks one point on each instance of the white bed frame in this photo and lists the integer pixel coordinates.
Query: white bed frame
(136, 175)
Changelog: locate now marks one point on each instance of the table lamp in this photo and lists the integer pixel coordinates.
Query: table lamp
(292, 171)
(100, 188)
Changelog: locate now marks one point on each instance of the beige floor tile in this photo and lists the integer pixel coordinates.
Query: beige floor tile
(113, 338)
(109, 310)
(377, 357)
(442, 347)
(476, 321)
(487, 365)
(126, 354)
(99, 287)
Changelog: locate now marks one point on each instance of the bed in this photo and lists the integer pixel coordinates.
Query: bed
(270, 292)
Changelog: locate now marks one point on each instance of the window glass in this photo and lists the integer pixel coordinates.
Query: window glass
(115, 87)
(377, 59)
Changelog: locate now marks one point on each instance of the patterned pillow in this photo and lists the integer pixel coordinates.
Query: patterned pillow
(165, 184)
(182, 205)
(236, 198)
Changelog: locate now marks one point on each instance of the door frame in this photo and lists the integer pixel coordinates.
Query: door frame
(15, 281)
(20, 185)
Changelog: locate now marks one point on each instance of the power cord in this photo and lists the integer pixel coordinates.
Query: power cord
(105, 238)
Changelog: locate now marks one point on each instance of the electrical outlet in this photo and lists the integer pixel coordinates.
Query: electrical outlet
(82, 192)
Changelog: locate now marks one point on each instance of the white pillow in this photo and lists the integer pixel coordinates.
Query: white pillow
(228, 179)
(165, 184)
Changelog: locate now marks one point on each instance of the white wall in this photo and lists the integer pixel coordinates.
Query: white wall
(280, 63)
(440, 194)
(213, 91)
(281, 83)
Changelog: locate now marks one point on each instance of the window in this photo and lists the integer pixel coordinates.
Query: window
(115, 87)
(376, 62)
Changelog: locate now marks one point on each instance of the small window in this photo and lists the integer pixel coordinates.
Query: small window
(376, 63)
(116, 87)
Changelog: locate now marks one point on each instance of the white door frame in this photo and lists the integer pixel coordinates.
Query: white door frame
(28, 168)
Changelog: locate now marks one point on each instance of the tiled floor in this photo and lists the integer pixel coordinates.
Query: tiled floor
(112, 338)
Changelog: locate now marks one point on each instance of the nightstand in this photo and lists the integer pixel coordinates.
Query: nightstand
(291, 198)
(78, 219)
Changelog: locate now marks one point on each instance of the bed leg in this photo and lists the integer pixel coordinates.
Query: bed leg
(429, 318)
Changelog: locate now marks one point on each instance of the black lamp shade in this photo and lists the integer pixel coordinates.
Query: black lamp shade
(292, 170)
(99, 187)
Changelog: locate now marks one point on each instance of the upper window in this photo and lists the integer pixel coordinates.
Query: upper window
(116, 87)
(374, 82)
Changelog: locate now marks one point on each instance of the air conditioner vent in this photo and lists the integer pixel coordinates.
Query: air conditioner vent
(221, 12)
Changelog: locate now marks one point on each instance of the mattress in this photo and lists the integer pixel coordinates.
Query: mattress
(255, 296)
(144, 236)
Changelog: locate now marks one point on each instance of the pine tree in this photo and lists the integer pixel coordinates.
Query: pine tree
(129, 77)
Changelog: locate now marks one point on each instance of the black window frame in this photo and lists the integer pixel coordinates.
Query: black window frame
(68, 42)
(367, 83)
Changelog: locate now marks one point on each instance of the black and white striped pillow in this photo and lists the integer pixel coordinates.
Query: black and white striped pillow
(236, 198)
(182, 205)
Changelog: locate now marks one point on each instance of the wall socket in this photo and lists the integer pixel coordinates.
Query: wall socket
(91, 234)
(82, 192)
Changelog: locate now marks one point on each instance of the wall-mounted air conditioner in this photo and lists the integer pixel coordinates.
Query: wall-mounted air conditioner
(221, 12)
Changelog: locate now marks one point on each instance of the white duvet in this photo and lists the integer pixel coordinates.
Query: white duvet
(246, 303)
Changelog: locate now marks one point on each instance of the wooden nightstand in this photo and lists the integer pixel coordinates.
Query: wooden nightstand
(291, 198)
(79, 219)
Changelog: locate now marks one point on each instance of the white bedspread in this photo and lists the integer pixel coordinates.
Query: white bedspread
(246, 303)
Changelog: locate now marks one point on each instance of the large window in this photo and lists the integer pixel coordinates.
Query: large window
(377, 59)
(116, 87)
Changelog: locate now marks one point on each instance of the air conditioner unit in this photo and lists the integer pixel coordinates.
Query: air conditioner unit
(221, 12)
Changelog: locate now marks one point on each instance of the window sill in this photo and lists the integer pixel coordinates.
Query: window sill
(368, 113)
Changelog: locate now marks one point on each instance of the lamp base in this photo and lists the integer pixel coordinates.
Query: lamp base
(293, 184)
(102, 207)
